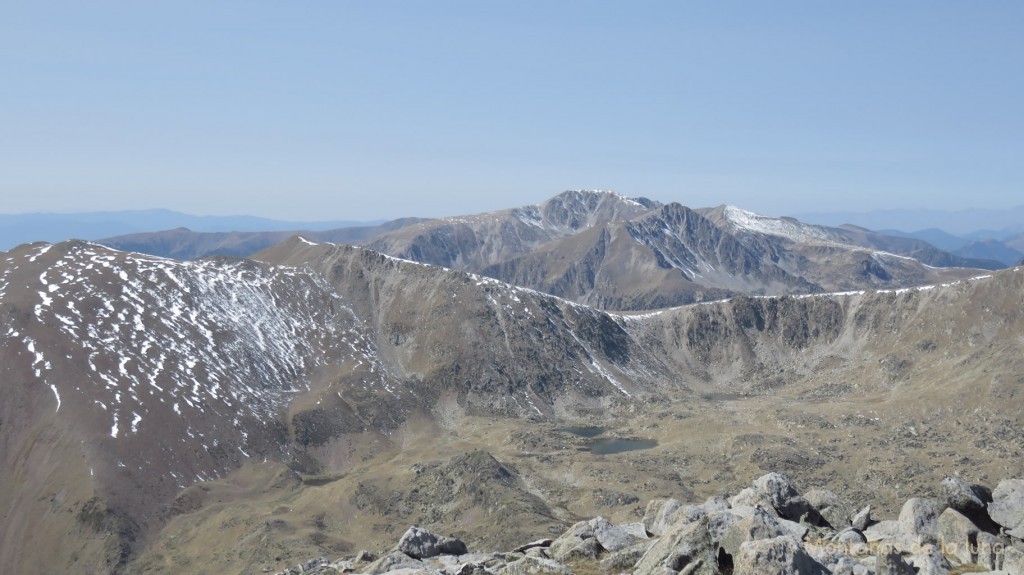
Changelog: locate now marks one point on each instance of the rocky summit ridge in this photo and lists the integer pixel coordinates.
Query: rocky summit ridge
(767, 528)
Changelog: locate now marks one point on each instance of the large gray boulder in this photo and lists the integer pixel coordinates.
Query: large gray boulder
(970, 500)
(861, 519)
(831, 507)
(612, 537)
(659, 515)
(759, 525)
(687, 547)
(625, 559)
(886, 531)
(586, 539)
(919, 519)
(784, 497)
(958, 536)
(962, 496)
(1007, 506)
(776, 556)
(421, 544)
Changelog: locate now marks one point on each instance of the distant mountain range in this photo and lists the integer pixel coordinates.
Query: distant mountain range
(976, 233)
(994, 223)
(613, 252)
(18, 229)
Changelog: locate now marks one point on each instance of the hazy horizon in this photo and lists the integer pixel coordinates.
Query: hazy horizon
(368, 111)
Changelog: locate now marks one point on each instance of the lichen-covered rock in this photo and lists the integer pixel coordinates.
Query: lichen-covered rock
(832, 508)
(421, 544)
(784, 497)
(534, 566)
(392, 562)
(862, 519)
(776, 556)
(919, 519)
(659, 515)
(990, 551)
(760, 525)
(686, 545)
(928, 560)
(958, 536)
(962, 496)
(1007, 506)
(1013, 561)
(586, 539)
(625, 559)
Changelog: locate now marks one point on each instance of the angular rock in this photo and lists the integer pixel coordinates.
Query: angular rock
(421, 544)
(1013, 561)
(751, 497)
(962, 496)
(574, 549)
(887, 530)
(636, 529)
(831, 508)
(1007, 506)
(532, 544)
(469, 569)
(364, 556)
(849, 566)
(760, 525)
(862, 519)
(659, 513)
(850, 537)
(784, 497)
(611, 536)
(685, 546)
(970, 500)
(991, 551)
(958, 536)
(720, 521)
(892, 563)
(928, 560)
(392, 562)
(541, 552)
(625, 559)
(919, 519)
(534, 566)
(776, 556)
(586, 539)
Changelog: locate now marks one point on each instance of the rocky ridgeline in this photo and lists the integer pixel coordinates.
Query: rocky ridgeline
(767, 529)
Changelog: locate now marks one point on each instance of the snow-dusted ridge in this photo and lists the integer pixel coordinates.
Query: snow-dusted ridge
(183, 338)
(782, 227)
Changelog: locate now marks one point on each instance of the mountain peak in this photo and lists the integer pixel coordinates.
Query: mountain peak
(746, 221)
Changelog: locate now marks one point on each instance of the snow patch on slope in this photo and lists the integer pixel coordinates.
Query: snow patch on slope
(786, 228)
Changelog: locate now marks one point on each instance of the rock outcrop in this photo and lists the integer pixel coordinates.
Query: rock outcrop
(720, 536)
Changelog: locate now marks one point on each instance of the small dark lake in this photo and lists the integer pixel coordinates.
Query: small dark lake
(609, 445)
(613, 446)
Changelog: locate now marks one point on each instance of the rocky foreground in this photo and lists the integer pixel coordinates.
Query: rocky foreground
(768, 528)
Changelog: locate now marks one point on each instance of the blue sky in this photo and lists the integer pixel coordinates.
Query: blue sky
(371, 110)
